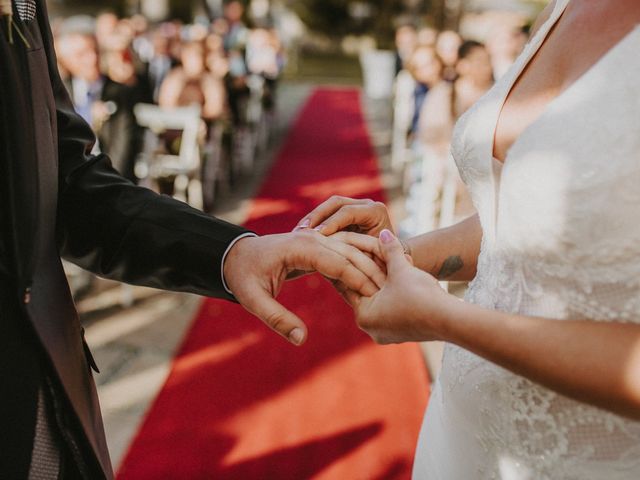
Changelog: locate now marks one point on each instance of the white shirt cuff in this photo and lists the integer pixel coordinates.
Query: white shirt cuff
(224, 257)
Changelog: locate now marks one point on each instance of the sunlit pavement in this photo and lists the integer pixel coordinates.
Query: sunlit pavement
(134, 346)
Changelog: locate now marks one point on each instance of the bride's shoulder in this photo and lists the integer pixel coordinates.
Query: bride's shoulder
(544, 16)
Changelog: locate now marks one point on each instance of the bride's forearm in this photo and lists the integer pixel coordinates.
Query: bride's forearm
(593, 362)
(449, 253)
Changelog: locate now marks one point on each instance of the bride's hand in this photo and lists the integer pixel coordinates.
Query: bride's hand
(410, 307)
(343, 213)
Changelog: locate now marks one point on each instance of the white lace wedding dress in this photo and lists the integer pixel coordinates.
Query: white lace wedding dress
(561, 239)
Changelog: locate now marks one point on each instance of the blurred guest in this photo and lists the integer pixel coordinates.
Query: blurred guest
(475, 76)
(446, 101)
(105, 28)
(235, 36)
(447, 46)
(79, 57)
(265, 58)
(237, 32)
(140, 26)
(425, 137)
(504, 44)
(427, 36)
(161, 61)
(449, 102)
(406, 42)
(105, 101)
(426, 68)
(190, 83)
(217, 61)
(264, 54)
(444, 104)
(122, 39)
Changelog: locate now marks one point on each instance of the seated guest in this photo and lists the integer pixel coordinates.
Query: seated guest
(161, 61)
(265, 59)
(264, 54)
(504, 44)
(406, 42)
(475, 76)
(426, 68)
(191, 83)
(216, 58)
(105, 101)
(445, 103)
(447, 46)
(237, 32)
(427, 36)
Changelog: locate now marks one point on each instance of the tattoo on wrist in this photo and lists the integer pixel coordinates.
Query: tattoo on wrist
(406, 247)
(450, 266)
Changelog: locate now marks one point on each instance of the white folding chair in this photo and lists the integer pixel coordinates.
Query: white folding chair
(449, 194)
(403, 109)
(185, 167)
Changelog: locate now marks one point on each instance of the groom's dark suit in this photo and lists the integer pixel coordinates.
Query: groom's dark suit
(57, 200)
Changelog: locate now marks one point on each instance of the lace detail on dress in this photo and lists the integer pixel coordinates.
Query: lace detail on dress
(546, 435)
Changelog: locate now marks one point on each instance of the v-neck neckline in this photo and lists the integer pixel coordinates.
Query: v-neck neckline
(497, 166)
(543, 36)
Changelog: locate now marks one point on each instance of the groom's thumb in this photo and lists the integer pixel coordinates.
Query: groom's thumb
(277, 317)
(392, 252)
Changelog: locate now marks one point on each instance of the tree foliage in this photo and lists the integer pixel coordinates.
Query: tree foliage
(334, 17)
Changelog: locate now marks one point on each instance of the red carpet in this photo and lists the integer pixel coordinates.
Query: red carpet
(242, 404)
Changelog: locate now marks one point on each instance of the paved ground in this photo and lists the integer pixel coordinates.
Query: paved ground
(134, 346)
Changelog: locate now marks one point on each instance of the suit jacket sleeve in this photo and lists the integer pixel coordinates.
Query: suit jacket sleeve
(121, 231)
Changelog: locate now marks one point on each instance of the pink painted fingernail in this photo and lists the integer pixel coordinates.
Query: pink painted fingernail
(386, 236)
(319, 228)
(306, 223)
(296, 336)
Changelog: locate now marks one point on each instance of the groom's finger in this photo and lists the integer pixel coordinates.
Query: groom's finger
(364, 243)
(277, 317)
(337, 266)
(351, 297)
(370, 246)
(360, 260)
(308, 250)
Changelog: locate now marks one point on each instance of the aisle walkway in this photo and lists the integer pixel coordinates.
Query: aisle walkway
(240, 403)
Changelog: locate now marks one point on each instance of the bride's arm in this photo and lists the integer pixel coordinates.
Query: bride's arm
(447, 254)
(593, 362)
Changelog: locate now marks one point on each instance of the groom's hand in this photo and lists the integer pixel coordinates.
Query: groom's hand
(256, 268)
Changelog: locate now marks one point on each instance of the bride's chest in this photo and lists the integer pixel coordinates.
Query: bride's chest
(571, 180)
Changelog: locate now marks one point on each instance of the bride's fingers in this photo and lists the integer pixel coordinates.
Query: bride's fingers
(369, 217)
(326, 210)
(378, 261)
(364, 243)
(361, 261)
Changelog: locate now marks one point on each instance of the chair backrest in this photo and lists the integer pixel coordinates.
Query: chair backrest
(186, 119)
(403, 110)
